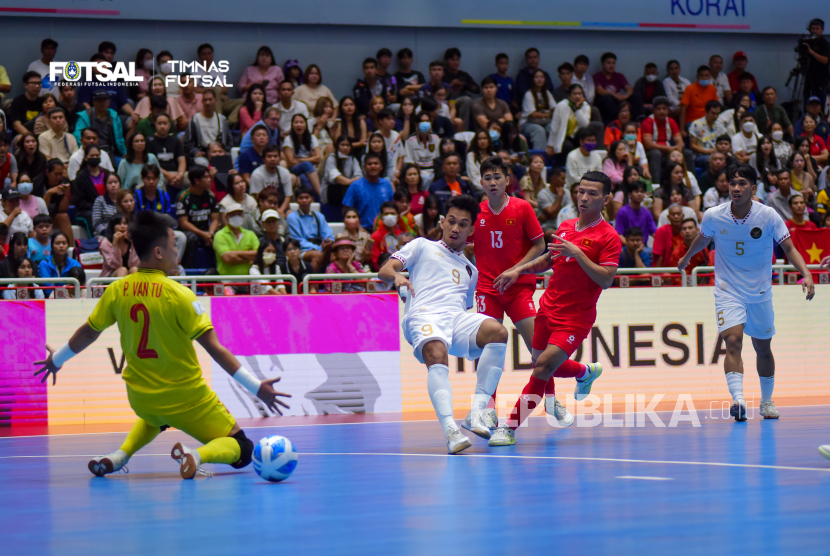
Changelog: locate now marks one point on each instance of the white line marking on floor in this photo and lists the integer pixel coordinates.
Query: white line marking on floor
(646, 478)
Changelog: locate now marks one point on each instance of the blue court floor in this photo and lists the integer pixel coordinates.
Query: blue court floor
(389, 488)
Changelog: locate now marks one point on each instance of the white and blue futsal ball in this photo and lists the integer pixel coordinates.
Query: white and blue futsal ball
(275, 458)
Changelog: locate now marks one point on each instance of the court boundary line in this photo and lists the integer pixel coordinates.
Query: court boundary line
(494, 456)
(368, 423)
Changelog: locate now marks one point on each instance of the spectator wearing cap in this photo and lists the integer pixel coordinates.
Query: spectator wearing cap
(524, 79)
(310, 228)
(343, 262)
(235, 247)
(661, 135)
(268, 199)
(106, 124)
(26, 107)
(12, 215)
(813, 108)
(118, 95)
(720, 80)
(612, 88)
(55, 142)
(739, 62)
(271, 222)
(770, 113)
(369, 192)
(695, 97)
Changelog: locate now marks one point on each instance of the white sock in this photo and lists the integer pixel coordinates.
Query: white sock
(440, 392)
(490, 367)
(122, 453)
(735, 382)
(767, 384)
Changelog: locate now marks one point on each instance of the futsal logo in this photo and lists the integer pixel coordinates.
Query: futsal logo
(71, 72)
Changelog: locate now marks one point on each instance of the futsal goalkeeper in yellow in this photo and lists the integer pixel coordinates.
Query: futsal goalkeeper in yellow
(158, 319)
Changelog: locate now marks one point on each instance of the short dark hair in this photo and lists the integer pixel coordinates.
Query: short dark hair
(78, 273)
(435, 64)
(598, 177)
(90, 130)
(370, 155)
(383, 52)
(450, 155)
(660, 101)
(162, 115)
(210, 92)
(53, 163)
(745, 77)
(55, 110)
(574, 87)
(746, 115)
(465, 203)
(304, 190)
(555, 171)
(501, 56)
(270, 149)
(633, 231)
(203, 46)
(385, 113)
(723, 137)
(158, 102)
(147, 230)
(636, 185)
(692, 220)
(585, 132)
(30, 74)
(531, 49)
(404, 52)
(48, 43)
(4, 230)
(651, 65)
(768, 88)
(670, 62)
(388, 205)
(402, 194)
(97, 57)
(452, 52)
(5, 138)
(739, 170)
(712, 104)
(608, 55)
(488, 81)
(196, 172)
(565, 66)
(38, 220)
(106, 45)
(370, 61)
(492, 164)
(791, 199)
(148, 169)
(582, 59)
(780, 171)
(428, 105)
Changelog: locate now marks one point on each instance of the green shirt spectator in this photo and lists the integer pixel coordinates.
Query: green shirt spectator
(235, 247)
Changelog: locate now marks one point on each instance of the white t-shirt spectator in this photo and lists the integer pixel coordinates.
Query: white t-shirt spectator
(568, 213)
(422, 154)
(674, 91)
(721, 83)
(544, 199)
(713, 198)
(43, 69)
(22, 223)
(208, 127)
(529, 105)
(287, 114)
(262, 178)
(559, 125)
(577, 165)
(587, 83)
(299, 150)
(78, 157)
(746, 144)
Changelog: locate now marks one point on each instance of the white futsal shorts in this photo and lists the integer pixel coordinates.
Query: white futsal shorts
(457, 330)
(758, 318)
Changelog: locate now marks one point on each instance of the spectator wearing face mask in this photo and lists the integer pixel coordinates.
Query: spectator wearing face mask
(235, 247)
(421, 148)
(12, 215)
(266, 263)
(30, 204)
(745, 142)
(385, 237)
(695, 99)
(649, 86)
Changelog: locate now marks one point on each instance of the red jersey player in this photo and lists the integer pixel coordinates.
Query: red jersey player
(508, 235)
(584, 262)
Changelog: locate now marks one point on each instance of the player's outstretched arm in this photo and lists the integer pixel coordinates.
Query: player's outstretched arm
(84, 337)
(391, 274)
(798, 261)
(509, 277)
(602, 275)
(698, 245)
(262, 389)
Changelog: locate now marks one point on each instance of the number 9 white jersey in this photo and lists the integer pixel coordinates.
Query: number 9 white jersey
(743, 249)
(444, 280)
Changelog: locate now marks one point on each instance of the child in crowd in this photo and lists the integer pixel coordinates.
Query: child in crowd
(40, 246)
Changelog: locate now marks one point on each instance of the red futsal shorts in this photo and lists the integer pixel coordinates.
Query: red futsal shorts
(545, 332)
(517, 302)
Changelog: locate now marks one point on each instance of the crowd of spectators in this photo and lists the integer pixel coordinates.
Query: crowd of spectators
(253, 184)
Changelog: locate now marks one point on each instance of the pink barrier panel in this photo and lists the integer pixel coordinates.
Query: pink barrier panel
(23, 398)
(307, 324)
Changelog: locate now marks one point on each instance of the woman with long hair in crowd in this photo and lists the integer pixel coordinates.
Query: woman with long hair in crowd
(481, 148)
(689, 179)
(30, 160)
(342, 169)
(312, 90)
(265, 71)
(378, 146)
(513, 142)
(431, 218)
(818, 149)
(120, 258)
(799, 176)
(321, 123)
(673, 175)
(266, 263)
(356, 234)
(375, 106)
(24, 267)
(125, 204)
(158, 88)
(302, 153)
(403, 118)
(106, 206)
(413, 182)
(294, 264)
(59, 263)
(129, 170)
(254, 107)
(350, 123)
(535, 180)
(764, 159)
(18, 247)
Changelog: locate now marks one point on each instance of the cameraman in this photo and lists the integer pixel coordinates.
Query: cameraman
(818, 62)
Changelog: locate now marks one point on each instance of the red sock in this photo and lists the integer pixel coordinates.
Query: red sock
(527, 402)
(569, 369)
(550, 388)
(492, 403)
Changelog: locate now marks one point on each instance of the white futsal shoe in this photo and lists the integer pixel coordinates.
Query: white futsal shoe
(491, 419)
(583, 387)
(738, 410)
(768, 410)
(190, 461)
(456, 442)
(104, 465)
(504, 436)
(824, 450)
(562, 415)
(474, 422)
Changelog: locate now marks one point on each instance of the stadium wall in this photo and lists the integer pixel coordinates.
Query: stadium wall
(341, 354)
(340, 49)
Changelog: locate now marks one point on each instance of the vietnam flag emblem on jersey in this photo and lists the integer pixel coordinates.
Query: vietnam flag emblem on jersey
(511, 221)
(587, 242)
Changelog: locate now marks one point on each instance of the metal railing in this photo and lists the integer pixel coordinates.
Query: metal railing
(97, 283)
(46, 282)
(656, 275)
(781, 268)
(368, 277)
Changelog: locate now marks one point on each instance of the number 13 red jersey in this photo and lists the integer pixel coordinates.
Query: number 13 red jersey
(502, 239)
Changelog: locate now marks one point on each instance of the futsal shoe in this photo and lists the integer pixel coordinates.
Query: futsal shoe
(824, 450)
(104, 465)
(491, 418)
(474, 422)
(188, 459)
(738, 410)
(583, 387)
(504, 436)
(457, 442)
(562, 415)
(768, 410)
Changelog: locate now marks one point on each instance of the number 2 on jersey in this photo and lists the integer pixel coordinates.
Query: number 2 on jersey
(143, 352)
(495, 240)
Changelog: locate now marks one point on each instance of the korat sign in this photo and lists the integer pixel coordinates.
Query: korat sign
(75, 72)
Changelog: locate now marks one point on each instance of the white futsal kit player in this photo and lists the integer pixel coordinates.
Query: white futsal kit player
(438, 293)
(743, 232)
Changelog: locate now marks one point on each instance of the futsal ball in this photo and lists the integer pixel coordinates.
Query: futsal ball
(275, 458)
